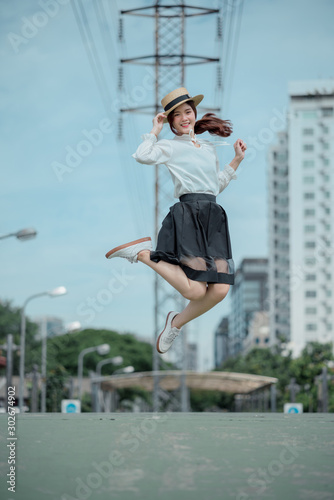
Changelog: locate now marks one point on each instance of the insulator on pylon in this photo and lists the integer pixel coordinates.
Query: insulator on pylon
(219, 27)
(120, 127)
(120, 30)
(120, 78)
(219, 77)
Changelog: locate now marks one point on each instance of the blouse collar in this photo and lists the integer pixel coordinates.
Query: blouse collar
(187, 137)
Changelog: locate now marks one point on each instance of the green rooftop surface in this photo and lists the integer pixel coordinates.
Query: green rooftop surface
(177, 456)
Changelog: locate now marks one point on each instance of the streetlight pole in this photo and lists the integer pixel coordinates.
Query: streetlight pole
(117, 360)
(22, 347)
(61, 290)
(9, 347)
(43, 370)
(101, 349)
(71, 327)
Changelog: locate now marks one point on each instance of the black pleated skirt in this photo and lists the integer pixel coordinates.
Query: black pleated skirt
(195, 236)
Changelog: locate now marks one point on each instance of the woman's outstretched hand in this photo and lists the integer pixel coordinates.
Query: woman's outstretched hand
(240, 148)
(158, 123)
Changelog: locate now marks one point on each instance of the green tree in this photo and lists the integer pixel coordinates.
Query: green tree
(306, 368)
(10, 323)
(202, 400)
(271, 362)
(65, 349)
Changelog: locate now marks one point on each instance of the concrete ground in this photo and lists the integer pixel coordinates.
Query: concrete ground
(191, 456)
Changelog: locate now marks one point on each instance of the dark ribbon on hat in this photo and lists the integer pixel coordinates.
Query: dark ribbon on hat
(176, 101)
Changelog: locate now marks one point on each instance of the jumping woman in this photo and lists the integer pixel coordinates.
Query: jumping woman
(193, 252)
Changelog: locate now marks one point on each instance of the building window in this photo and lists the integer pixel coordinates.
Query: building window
(309, 229)
(309, 196)
(326, 145)
(309, 114)
(310, 293)
(308, 179)
(308, 131)
(266, 340)
(308, 147)
(310, 277)
(309, 244)
(257, 340)
(310, 261)
(308, 163)
(311, 327)
(327, 111)
(326, 161)
(311, 310)
(309, 212)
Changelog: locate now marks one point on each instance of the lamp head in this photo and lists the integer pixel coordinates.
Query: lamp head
(56, 292)
(103, 349)
(26, 234)
(128, 369)
(117, 360)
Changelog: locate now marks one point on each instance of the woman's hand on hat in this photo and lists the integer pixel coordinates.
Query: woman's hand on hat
(158, 123)
(239, 148)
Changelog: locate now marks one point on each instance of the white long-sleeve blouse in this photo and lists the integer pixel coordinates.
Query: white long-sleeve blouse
(193, 169)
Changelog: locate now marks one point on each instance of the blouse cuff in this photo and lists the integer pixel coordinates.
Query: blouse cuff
(149, 137)
(230, 171)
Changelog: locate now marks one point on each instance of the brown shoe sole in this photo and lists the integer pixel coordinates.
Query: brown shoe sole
(126, 245)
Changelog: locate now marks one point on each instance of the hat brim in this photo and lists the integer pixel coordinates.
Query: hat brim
(197, 99)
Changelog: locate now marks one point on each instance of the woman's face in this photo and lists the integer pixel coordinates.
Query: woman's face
(184, 118)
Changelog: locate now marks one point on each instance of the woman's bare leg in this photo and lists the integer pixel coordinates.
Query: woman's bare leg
(175, 276)
(202, 297)
(216, 292)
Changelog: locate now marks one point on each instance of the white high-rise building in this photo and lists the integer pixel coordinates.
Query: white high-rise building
(311, 207)
(309, 212)
(249, 295)
(278, 232)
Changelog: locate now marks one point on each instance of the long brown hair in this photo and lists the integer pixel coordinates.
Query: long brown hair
(208, 123)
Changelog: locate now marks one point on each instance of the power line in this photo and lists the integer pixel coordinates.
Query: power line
(92, 55)
(101, 82)
(238, 19)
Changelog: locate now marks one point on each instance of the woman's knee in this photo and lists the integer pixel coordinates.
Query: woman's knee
(219, 291)
(196, 291)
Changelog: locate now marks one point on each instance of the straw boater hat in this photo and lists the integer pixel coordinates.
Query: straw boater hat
(177, 97)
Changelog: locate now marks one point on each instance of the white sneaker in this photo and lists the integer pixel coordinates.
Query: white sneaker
(130, 250)
(168, 334)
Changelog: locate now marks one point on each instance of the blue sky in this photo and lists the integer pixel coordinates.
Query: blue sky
(50, 103)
